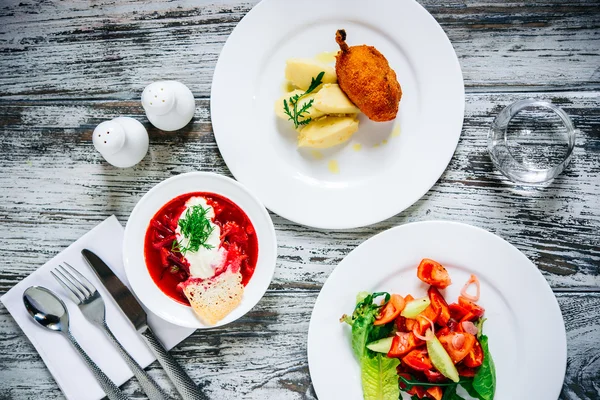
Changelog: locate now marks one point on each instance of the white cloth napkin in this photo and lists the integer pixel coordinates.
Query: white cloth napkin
(70, 372)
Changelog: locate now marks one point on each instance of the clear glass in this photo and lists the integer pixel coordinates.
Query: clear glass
(531, 141)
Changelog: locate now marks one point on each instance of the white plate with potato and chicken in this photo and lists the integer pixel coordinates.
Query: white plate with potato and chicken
(337, 114)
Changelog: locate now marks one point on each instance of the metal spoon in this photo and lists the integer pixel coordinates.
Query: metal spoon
(48, 310)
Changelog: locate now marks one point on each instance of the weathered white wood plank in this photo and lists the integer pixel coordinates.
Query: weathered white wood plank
(55, 187)
(582, 380)
(263, 355)
(107, 49)
(42, 212)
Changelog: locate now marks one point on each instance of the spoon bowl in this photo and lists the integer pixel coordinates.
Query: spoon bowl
(47, 309)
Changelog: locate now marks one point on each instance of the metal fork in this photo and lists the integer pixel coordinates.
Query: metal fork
(85, 295)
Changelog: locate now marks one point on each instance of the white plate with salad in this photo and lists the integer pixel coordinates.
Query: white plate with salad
(391, 164)
(479, 322)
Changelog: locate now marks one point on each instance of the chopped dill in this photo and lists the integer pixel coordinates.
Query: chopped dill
(196, 227)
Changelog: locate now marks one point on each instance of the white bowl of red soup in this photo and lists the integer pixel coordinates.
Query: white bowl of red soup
(201, 237)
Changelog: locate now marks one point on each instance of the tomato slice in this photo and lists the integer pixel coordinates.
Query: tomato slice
(418, 359)
(435, 392)
(424, 324)
(469, 317)
(453, 325)
(439, 305)
(410, 324)
(401, 324)
(457, 344)
(444, 331)
(475, 357)
(406, 376)
(457, 311)
(471, 307)
(391, 310)
(434, 376)
(433, 273)
(417, 391)
(402, 343)
(466, 371)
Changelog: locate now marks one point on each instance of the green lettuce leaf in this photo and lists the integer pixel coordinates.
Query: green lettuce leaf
(364, 314)
(361, 296)
(484, 381)
(380, 332)
(450, 393)
(379, 378)
(361, 328)
(378, 373)
(468, 386)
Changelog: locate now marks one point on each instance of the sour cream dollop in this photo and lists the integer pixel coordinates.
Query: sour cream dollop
(204, 261)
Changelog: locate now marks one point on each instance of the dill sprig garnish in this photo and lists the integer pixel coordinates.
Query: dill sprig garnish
(196, 227)
(295, 114)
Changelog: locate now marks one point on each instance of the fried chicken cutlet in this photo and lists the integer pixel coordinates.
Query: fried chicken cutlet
(365, 76)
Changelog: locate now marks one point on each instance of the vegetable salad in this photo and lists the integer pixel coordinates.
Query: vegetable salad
(423, 346)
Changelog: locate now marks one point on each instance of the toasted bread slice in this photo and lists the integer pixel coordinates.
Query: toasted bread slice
(213, 299)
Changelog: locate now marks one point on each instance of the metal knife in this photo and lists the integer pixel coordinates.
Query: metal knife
(136, 314)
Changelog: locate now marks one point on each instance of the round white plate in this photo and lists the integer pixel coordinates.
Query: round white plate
(261, 151)
(133, 245)
(524, 324)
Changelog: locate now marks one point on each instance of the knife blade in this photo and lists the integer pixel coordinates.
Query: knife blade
(119, 292)
(136, 314)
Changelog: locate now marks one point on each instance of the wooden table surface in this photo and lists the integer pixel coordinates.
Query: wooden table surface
(68, 65)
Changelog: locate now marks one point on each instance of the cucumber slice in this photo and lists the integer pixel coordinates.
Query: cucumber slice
(381, 345)
(441, 360)
(415, 307)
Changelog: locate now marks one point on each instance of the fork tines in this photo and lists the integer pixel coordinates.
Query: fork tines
(76, 285)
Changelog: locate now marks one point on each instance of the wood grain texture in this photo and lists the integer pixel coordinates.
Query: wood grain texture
(67, 65)
(556, 226)
(41, 213)
(263, 355)
(108, 49)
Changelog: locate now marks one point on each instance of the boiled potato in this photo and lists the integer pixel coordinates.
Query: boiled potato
(300, 72)
(327, 132)
(331, 100)
(311, 113)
